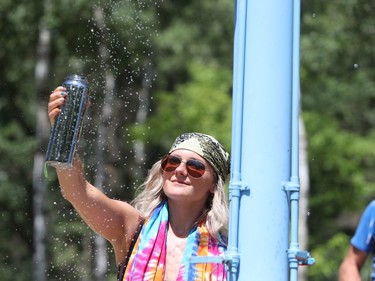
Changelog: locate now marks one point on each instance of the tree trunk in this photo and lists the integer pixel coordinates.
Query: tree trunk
(142, 113)
(42, 131)
(304, 196)
(101, 255)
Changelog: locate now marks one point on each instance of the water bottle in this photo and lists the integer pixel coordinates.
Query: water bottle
(66, 130)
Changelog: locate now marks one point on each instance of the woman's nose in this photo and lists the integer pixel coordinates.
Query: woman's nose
(181, 169)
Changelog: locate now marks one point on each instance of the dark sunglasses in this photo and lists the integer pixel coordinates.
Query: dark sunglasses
(195, 168)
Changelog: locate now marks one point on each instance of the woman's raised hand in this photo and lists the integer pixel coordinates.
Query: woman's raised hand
(56, 100)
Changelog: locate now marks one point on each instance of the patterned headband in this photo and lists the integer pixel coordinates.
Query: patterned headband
(207, 147)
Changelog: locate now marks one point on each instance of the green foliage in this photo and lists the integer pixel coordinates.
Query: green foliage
(202, 105)
(201, 30)
(337, 81)
(328, 257)
(337, 175)
(16, 149)
(335, 72)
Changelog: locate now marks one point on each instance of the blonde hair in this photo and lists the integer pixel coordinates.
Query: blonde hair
(151, 195)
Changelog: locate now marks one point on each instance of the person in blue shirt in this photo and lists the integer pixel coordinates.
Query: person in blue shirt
(361, 247)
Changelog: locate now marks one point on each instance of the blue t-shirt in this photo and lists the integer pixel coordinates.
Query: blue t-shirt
(364, 237)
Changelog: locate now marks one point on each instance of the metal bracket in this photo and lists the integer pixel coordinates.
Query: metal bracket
(243, 186)
(304, 258)
(230, 260)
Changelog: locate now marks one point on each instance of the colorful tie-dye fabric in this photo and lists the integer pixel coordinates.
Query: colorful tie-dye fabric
(147, 260)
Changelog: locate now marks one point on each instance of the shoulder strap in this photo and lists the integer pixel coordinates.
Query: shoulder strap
(122, 266)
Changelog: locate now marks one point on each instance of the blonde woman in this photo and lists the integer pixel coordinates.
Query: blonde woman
(181, 212)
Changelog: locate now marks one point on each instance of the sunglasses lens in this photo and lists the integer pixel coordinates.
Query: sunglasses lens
(195, 168)
(170, 163)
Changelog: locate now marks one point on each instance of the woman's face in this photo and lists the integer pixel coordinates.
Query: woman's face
(179, 184)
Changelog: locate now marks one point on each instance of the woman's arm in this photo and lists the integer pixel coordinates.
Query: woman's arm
(115, 220)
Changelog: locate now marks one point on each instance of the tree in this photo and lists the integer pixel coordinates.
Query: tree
(39, 183)
(336, 78)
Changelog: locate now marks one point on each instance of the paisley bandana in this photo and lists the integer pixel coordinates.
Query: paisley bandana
(147, 260)
(207, 147)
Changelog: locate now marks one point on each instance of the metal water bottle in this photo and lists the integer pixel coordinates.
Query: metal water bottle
(66, 130)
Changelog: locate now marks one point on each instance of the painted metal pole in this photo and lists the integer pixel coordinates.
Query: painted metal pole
(295, 255)
(261, 140)
(293, 186)
(237, 186)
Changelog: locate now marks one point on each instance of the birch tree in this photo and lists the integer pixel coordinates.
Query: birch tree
(39, 184)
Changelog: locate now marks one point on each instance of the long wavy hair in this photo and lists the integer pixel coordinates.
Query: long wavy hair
(151, 194)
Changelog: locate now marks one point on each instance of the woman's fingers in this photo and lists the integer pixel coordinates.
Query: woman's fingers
(57, 93)
(56, 100)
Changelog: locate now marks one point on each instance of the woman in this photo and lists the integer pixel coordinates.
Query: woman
(181, 212)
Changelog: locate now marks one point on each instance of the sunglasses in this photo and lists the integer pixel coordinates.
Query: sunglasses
(195, 168)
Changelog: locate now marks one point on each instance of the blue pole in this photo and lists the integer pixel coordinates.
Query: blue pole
(261, 142)
(293, 186)
(296, 256)
(236, 185)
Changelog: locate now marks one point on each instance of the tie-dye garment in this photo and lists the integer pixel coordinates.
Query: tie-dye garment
(147, 260)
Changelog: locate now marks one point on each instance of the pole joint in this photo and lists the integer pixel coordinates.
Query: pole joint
(292, 185)
(302, 257)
